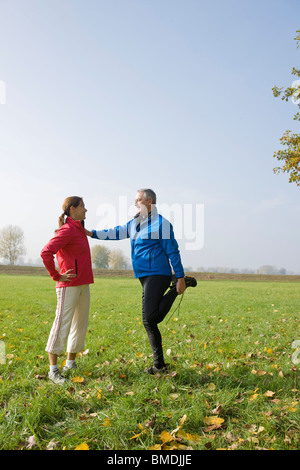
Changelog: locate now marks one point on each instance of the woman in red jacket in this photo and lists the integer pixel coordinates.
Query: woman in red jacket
(71, 247)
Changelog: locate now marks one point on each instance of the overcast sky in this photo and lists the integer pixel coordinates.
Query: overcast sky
(103, 97)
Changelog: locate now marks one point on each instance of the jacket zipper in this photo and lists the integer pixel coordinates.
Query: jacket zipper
(76, 267)
(150, 253)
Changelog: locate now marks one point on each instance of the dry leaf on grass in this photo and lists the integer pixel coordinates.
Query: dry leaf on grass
(31, 442)
(78, 379)
(82, 446)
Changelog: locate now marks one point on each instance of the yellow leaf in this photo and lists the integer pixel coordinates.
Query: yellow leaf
(138, 354)
(192, 438)
(211, 386)
(166, 436)
(137, 435)
(254, 396)
(82, 446)
(177, 446)
(106, 422)
(155, 447)
(78, 379)
(99, 394)
(181, 422)
(213, 420)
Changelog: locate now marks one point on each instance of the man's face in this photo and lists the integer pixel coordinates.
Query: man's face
(142, 204)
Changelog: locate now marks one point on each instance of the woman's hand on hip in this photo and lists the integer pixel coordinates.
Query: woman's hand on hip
(67, 276)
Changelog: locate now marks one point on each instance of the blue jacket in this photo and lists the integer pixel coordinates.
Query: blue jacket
(153, 245)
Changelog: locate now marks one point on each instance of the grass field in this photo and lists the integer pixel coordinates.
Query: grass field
(233, 383)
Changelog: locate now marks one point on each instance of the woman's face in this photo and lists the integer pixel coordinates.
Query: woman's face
(78, 213)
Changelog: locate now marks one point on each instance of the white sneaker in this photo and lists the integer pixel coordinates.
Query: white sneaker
(56, 377)
(67, 368)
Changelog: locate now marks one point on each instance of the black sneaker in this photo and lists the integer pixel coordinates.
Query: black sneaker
(154, 370)
(189, 281)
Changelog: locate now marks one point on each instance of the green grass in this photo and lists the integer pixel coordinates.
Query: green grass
(229, 347)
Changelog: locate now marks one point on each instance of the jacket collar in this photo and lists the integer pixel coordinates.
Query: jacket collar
(76, 223)
(139, 220)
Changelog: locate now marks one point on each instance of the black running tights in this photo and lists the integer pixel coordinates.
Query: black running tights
(156, 305)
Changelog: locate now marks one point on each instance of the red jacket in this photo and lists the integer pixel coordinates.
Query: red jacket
(72, 250)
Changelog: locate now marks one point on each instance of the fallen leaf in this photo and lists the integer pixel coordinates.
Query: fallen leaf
(82, 446)
(78, 379)
(172, 374)
(213, 420)
(261, 372)
(40, 377)
(31, 442)
(52, 445)
(84, 417)
(166, 436)
(174, 396)
(136, 436)
(217, 410)
(106, 422)
(150, 423)
(181, 422)
(211, 386)
(192, 438)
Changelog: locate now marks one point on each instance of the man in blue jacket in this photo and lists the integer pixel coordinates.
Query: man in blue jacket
(153, 248)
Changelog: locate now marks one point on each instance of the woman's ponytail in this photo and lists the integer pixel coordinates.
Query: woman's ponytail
(61, 220)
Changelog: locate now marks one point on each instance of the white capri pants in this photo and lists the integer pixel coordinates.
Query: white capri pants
(71, 319)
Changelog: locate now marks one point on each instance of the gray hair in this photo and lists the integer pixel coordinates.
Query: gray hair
(148, 194)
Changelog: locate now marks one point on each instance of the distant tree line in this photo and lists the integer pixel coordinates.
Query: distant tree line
(12, 249)
(266, 269)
